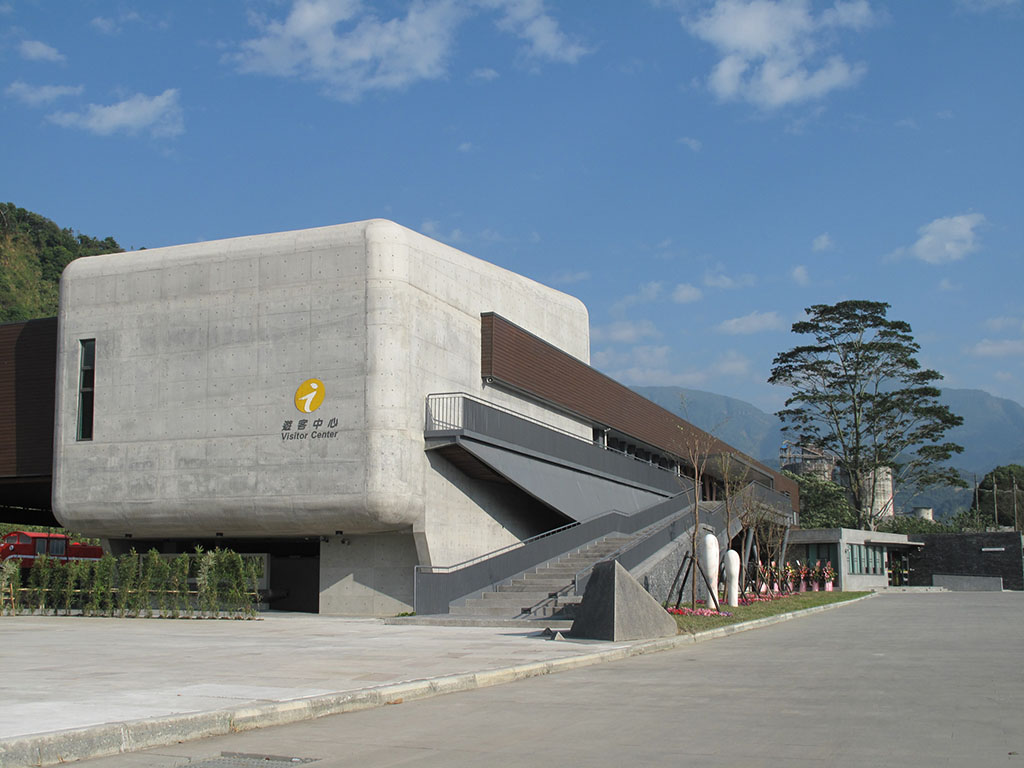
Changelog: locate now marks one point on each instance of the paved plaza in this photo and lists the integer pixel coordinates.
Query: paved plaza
(899, 679)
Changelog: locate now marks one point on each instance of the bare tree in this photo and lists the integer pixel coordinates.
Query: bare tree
(697, 446)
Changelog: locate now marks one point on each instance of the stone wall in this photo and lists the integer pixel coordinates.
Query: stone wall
(962, 554)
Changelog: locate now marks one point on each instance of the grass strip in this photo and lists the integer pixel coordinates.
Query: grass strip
(797, 602)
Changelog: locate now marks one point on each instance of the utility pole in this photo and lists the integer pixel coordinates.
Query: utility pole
(995, 501)
(977, 502)
(1016, 525)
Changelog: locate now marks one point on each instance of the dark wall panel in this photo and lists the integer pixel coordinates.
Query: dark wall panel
(515, 358)
(28, 370)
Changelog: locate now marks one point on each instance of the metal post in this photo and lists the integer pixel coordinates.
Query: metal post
(995, 501)
(1016, 525)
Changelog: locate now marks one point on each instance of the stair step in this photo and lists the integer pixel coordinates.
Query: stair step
(535, 585)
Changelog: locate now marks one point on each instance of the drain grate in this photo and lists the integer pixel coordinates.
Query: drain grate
(238, 760)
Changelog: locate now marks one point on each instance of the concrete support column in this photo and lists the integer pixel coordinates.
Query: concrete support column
(367, 575)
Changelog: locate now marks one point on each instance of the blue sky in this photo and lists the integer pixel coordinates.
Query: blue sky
(696, 172)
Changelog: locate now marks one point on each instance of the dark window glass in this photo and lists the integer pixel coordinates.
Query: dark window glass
(86, 382)
(40, 546)
(56, 546)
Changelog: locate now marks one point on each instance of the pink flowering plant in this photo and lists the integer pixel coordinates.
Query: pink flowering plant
(828, 573)
(697, 612)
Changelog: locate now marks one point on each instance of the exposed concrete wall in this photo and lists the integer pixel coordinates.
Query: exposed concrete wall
(368, 575)
(468, 517)
(956, 583)
(658, 572)
(200, 350)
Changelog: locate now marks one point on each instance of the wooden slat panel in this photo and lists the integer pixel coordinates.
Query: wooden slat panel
(28, 371)
(515, 358)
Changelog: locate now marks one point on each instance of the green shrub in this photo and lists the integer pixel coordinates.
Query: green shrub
(206, 581)
(101, 600)
(178, 585)
(10, 586)
(127, 579)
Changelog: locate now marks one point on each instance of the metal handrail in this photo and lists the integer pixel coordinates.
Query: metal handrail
(750, 488)
(455, 423)
(494, 553)
(631, 544)
(432, 424)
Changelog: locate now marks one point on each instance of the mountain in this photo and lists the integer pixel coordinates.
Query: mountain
(992, 433)
(742, 425)
(33, 253)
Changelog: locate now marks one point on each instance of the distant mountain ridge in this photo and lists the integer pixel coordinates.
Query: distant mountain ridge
(992, 433)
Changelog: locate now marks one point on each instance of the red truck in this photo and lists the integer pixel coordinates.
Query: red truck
(26, 546)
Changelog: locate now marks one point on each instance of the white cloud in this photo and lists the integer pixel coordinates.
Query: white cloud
(822, 243)
(947, 285)
(368, 54)
(653, 366)
(1005, 323)
(644, 294)
(624, 331)
(719, 279)
(999, 348)
(466, 146)
(568, 278)
(771, 50)
(109, 25)
(945, 240)
(347, 47)
(34, 50)
(431, 228)
(800, 276)
(160, 115)
(684, 293)
(981, 6)
(34, 95)
(693, 144)
(755, 322)
(528, 20)
(485, 73)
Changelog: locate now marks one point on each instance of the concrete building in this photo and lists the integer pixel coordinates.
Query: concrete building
(356, 401)
(862, 559)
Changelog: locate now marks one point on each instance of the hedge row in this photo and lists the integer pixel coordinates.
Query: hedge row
(207, 584)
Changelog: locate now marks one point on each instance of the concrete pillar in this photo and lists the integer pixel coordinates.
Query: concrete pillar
(367, 575)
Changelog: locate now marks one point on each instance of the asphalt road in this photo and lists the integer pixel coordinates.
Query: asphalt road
(901, 679)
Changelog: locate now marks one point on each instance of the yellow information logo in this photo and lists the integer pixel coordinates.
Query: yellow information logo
(309, 396)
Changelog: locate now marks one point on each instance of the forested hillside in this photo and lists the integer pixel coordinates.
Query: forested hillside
(33, 253)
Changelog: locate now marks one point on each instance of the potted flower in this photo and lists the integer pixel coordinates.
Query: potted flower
(804, 573)
(829, 574)
(792, 576)
(816, 576)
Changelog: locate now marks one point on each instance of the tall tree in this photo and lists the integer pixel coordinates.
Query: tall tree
(33, 253)
(1001, 492)
(859, 393)
(823, 503)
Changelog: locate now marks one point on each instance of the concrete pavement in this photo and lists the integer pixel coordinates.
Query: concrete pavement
(812, 670)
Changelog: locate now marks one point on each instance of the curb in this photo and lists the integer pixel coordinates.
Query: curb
(130, 736)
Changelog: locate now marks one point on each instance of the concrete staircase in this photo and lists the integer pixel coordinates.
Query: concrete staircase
(544, 593)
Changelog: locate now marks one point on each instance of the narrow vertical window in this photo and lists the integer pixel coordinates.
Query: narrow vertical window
(86, 381)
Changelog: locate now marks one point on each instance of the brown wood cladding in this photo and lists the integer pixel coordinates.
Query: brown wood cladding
(28, 372)
(516, 358)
